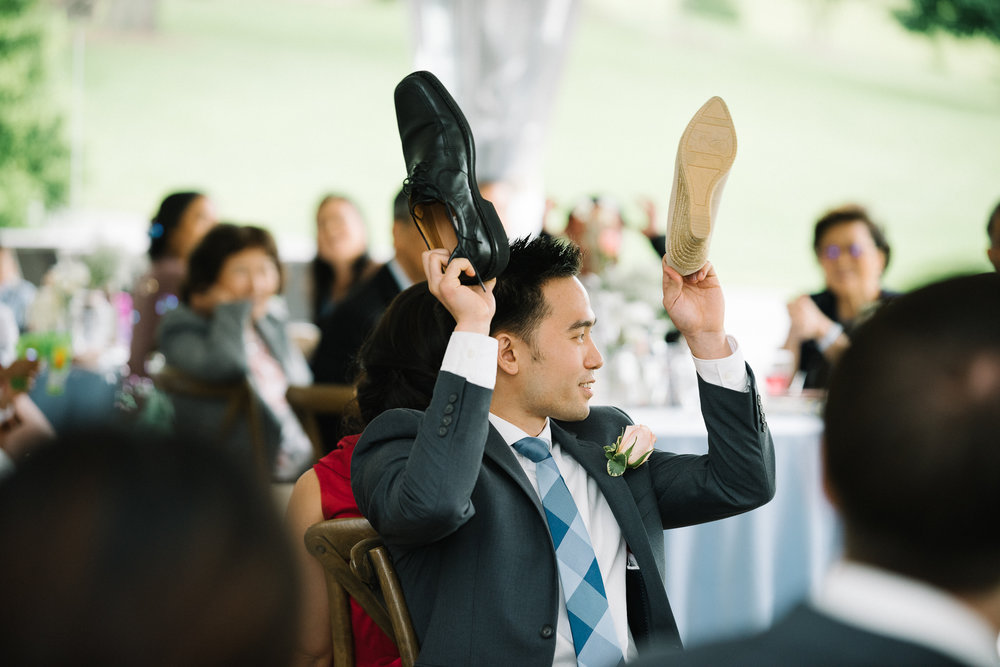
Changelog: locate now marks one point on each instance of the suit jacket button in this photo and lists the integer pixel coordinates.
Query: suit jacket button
(453, 398)
(446, 420)
(546, 632)
(442, 431)
(448, 409)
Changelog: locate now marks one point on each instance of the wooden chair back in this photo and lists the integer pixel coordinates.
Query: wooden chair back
(240, 404)
(310, 401)
(357, 564)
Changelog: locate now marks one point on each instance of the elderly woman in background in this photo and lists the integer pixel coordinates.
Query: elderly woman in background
(342, 260)
(182, 220)
(853, 253)
(225, 329)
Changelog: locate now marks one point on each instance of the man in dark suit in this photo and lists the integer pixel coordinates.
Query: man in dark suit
(913, 465)
(459, 505)
(343, 331)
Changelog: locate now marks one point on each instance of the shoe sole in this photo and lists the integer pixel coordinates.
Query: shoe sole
(705, 154)
(496, 235)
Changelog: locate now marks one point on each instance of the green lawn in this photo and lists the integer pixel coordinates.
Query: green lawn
(266, 104)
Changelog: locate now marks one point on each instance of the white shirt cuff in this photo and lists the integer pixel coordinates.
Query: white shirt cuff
(472, 356)
(728, 372)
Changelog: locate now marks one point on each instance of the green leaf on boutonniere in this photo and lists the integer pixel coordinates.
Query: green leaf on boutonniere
(617, 461)
(617, 465)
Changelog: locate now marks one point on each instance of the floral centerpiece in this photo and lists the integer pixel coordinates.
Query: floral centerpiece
(80, 314)
(49, 338)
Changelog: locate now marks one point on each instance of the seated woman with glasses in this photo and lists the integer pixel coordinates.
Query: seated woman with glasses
(853, 253)
(228, 326)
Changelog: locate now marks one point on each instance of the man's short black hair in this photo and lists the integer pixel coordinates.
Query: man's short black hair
(533, 262)
(912, 430)
(401, 207)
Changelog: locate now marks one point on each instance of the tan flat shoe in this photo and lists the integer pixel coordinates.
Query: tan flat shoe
(706, 152)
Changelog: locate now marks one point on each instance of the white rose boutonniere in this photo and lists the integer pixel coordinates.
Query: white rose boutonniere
(630, 450)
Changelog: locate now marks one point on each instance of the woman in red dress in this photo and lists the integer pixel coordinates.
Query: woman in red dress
(398, 370)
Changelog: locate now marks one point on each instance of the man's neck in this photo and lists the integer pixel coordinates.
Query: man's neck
(511, 433)
(891, 604)
(513, 415)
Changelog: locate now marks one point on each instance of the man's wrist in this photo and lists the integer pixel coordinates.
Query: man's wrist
(709, 346)
(473, 326)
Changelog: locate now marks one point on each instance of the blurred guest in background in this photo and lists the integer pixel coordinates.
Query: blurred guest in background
(342, 259)
(225, 329)
(993, 231)
(181, 221)
(853, 253)
(912, 466)
(653, 230)
(127, 548)
(595, 224)
(15, 292)
(343, 331)
(397, 371)
(22, 423)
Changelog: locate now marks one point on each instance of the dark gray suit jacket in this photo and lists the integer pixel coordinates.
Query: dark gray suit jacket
(343, 332)
(806, 637)
(469, 538)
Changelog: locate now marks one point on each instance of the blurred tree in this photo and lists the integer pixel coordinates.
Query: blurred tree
(34, 159)
(963, 18)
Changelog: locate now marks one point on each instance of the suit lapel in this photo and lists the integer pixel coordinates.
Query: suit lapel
(618, 493)
(498, 451)
(590, 455)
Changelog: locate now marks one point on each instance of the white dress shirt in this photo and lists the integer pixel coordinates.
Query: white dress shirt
(889, 604)
(473, 356)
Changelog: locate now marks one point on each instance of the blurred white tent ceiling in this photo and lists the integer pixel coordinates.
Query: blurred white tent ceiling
(502, 61)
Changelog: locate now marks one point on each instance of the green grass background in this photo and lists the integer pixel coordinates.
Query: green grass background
(267, 104)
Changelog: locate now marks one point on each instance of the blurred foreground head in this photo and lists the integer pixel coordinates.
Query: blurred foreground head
(912, 433)
(128, 548)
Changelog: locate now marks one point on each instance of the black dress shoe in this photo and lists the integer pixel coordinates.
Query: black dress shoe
(441, 169)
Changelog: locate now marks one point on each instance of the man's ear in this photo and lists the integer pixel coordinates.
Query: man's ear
(506, 353)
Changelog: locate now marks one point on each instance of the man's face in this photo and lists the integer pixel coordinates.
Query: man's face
(409, 247)
(557, 369)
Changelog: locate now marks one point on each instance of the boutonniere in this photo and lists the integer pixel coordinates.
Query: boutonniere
(630, 450)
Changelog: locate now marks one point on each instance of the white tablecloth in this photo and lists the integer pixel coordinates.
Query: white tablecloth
(738, 575)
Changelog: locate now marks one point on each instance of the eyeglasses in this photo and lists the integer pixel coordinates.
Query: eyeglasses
(855, 250)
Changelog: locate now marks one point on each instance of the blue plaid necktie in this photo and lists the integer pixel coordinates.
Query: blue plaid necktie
(586, 602)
